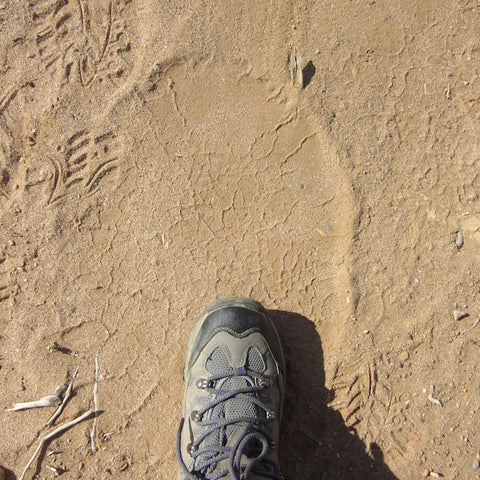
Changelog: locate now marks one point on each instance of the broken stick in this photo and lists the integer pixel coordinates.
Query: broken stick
(64, 402)
(48, 401)
(48, 437)
(95, 406)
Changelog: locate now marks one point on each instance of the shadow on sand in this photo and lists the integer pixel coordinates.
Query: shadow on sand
(315, 442)
(9, 474)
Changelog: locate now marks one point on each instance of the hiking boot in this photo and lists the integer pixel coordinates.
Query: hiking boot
(235, 383)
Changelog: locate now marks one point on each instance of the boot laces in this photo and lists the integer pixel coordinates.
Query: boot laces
(248, 428)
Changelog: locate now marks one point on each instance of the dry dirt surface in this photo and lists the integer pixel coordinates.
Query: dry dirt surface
(155, 155)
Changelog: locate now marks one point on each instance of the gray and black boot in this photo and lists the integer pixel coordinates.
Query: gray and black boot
(235, 383)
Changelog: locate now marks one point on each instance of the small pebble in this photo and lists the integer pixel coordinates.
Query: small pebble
(459, 240)
(404, 356)
(459, 315)
(373, 150)
(476, 464)
(2, 7)
(435, 401)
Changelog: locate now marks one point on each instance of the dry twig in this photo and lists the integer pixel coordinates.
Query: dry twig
(48, 437)
(48, 401)
(64, 402)
(95, 405)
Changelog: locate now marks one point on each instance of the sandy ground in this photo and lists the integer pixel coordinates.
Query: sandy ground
(154, 155)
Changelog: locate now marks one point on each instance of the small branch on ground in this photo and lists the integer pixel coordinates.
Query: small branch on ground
(52, 434)
(48, 401)
(64, 402)
(95, 406)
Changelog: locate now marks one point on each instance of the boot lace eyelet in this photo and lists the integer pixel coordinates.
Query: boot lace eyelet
(271, 415)
(195, 416)
(191, 448)
(203, 383)
(264, 382)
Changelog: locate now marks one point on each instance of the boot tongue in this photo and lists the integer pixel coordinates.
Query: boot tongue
(238, 406)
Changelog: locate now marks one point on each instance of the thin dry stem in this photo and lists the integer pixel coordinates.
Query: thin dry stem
(52, 434)
(64, 402)
(48, 401)
(95, 404)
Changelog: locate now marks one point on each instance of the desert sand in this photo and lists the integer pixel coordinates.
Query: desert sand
(155, 155)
